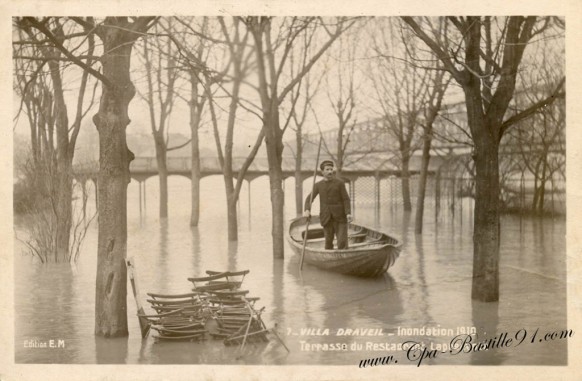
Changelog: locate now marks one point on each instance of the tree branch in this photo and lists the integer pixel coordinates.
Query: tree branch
(179, 146)
(248, 161)
(557, 94)
(435, 48)
(44, 30)
(312, 62)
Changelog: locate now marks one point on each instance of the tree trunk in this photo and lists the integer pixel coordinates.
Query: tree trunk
(437, 194)
(195, 184)
(64, 210)
(114, 159)
(486, 236)
(298, 174)
(161, 159)
(543, 184)
(195, 145)
(62, 193)
(274, 152)
(232, 218)
(298, 192)
(231, 201)
(277, 208)
(405, 179)
(339, 173)
(422, 183)
(536, 195)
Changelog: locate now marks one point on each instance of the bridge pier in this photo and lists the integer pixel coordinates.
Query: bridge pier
(140, 201)
(377, 180)
(249, 198)
(142, 195)
(353, 196)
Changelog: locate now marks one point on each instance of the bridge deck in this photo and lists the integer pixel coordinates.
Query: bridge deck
(368, 165)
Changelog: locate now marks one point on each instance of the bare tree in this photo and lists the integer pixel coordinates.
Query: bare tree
(193, 41)
(159, 58)
(240, 60)
(539, 140)
(439, 84)
(300, 100)
(298, 108)
(208, 83)
(196, 103)
(41, 83)
(484, 55)
(343, 97)
(118, 36)
(402, 90)
(274, 40)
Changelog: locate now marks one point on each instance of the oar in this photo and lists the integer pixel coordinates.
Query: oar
(144, 324)
(310, 201)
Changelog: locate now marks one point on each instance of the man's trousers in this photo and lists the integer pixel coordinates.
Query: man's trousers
(340, 230)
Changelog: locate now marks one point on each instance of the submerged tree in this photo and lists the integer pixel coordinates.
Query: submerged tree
(431, 104)
(343, 95)
(538, 143)
(218, 66)
(161, 73)
(41, 75)
(300, 101)
(195, 58)
(239, 61)
(274, 39)
(433, 107)
(484, 56)
(118, 36)
(403, 91)
(193, 42)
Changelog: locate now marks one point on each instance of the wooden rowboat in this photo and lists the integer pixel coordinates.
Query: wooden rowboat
(370, 253)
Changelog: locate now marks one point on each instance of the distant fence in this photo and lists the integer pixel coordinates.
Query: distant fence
(516, 194)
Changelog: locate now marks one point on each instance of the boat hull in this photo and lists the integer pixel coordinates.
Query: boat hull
(370, 254)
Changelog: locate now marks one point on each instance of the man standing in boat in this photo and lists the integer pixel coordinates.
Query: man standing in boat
(334, 206)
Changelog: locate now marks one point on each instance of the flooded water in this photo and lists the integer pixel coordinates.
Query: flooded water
(425, 297)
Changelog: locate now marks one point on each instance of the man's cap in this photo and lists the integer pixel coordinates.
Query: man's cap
(325, 163)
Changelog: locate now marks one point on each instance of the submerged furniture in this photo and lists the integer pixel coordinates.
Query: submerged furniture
(216, 306)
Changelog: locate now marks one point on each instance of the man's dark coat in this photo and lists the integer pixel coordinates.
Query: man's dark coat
(333, 200)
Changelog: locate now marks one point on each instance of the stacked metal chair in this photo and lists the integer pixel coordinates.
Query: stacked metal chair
(233, 315)
(217, 305)
(179, 317)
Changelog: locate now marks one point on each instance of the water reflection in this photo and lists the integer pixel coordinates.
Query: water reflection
(162, 263)
(232, 256)
(47, 339)
(111, 350)
(195, 234)
(342, 304)
(540, 227)
(424, 289)
(276, 313)
(486, 321)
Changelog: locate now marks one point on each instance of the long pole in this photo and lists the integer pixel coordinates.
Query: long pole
(143, 321)
(310, 201)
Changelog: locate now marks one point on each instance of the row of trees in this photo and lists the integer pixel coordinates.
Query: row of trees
(268, 67)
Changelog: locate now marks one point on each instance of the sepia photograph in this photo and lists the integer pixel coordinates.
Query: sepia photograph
(284, 194)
